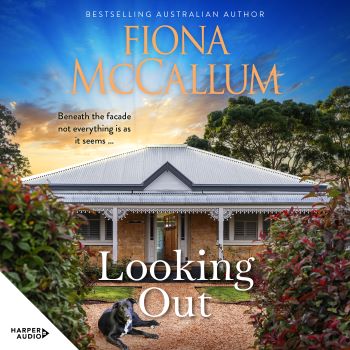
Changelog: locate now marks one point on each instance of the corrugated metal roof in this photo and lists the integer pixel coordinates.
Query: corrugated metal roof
(199, 166)
(184, 198)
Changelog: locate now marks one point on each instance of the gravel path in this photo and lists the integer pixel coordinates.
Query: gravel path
(226, 328)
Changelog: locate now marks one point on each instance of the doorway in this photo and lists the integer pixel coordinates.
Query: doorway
(167, 236)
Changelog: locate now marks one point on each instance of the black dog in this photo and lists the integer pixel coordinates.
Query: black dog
(120, 320)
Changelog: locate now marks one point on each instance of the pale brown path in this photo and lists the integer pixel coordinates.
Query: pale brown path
(227, 327)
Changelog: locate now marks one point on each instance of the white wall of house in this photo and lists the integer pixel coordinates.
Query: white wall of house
(167, 181)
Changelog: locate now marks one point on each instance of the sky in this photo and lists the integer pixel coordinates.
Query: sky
(309, 41)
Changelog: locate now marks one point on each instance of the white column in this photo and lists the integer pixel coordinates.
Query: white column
(102, 228)
(185, 247)
(260, 225)
(147, 238)
(115, 235)
(221, 233)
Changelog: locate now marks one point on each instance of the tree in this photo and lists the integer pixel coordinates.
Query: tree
(268, 133)
(331, 144)
(197, 142)
(10, 154)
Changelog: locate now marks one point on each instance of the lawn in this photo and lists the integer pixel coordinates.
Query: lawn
(110, 294)
(225, 294)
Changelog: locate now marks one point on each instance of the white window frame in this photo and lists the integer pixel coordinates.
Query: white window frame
(232, 240)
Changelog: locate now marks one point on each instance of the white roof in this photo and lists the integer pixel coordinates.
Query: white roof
(133, 168)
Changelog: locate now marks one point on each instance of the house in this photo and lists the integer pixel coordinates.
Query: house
(153, 200)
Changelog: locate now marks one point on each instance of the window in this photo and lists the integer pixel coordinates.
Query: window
(182, 227)
(246, 227)
(227, 230)
(91, 230)
(109, 229)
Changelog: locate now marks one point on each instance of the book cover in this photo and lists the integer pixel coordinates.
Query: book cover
(175, 175)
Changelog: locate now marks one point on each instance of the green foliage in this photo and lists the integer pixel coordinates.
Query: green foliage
(93, 272)
(40, 254)
(197, 142)
(10, 155)
(268, 133)
(331, 145)
(297, 138)
(226, 294)
(304, 295)
(221, 273)
(110, 294)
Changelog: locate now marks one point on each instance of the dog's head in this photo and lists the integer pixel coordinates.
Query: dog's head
(123, 312)
(124, 303)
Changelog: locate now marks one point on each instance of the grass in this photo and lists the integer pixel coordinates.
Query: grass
(110, 294)
(226, 294)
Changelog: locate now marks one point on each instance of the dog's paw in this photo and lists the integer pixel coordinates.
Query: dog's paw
(154, 323)
(153, 336)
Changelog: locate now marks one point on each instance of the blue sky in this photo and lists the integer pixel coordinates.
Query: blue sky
(308, 40)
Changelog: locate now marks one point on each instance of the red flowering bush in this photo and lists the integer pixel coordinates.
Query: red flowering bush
(304, 297)
(40, 254)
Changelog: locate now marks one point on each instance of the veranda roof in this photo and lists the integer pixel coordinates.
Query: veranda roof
(143, 198)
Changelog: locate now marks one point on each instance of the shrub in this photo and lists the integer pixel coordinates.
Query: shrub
(114, 271)
(93, 272)
(304, 297)
(40, 254)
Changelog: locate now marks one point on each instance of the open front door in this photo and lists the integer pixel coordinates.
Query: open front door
(170, 237)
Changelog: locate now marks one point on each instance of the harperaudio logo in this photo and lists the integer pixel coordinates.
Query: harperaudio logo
(30, 333)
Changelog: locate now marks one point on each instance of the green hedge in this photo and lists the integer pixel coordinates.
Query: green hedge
(304, 295)
(40, 254)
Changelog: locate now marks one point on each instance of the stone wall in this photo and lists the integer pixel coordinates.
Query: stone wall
(131, 240)
(131, 237)
(203, 235)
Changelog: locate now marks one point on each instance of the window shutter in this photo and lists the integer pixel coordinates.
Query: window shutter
(84, 230)
(246, 227)
(94, 229)
(91, 230)
(109, 229)
(239, 230)
(251, 228)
